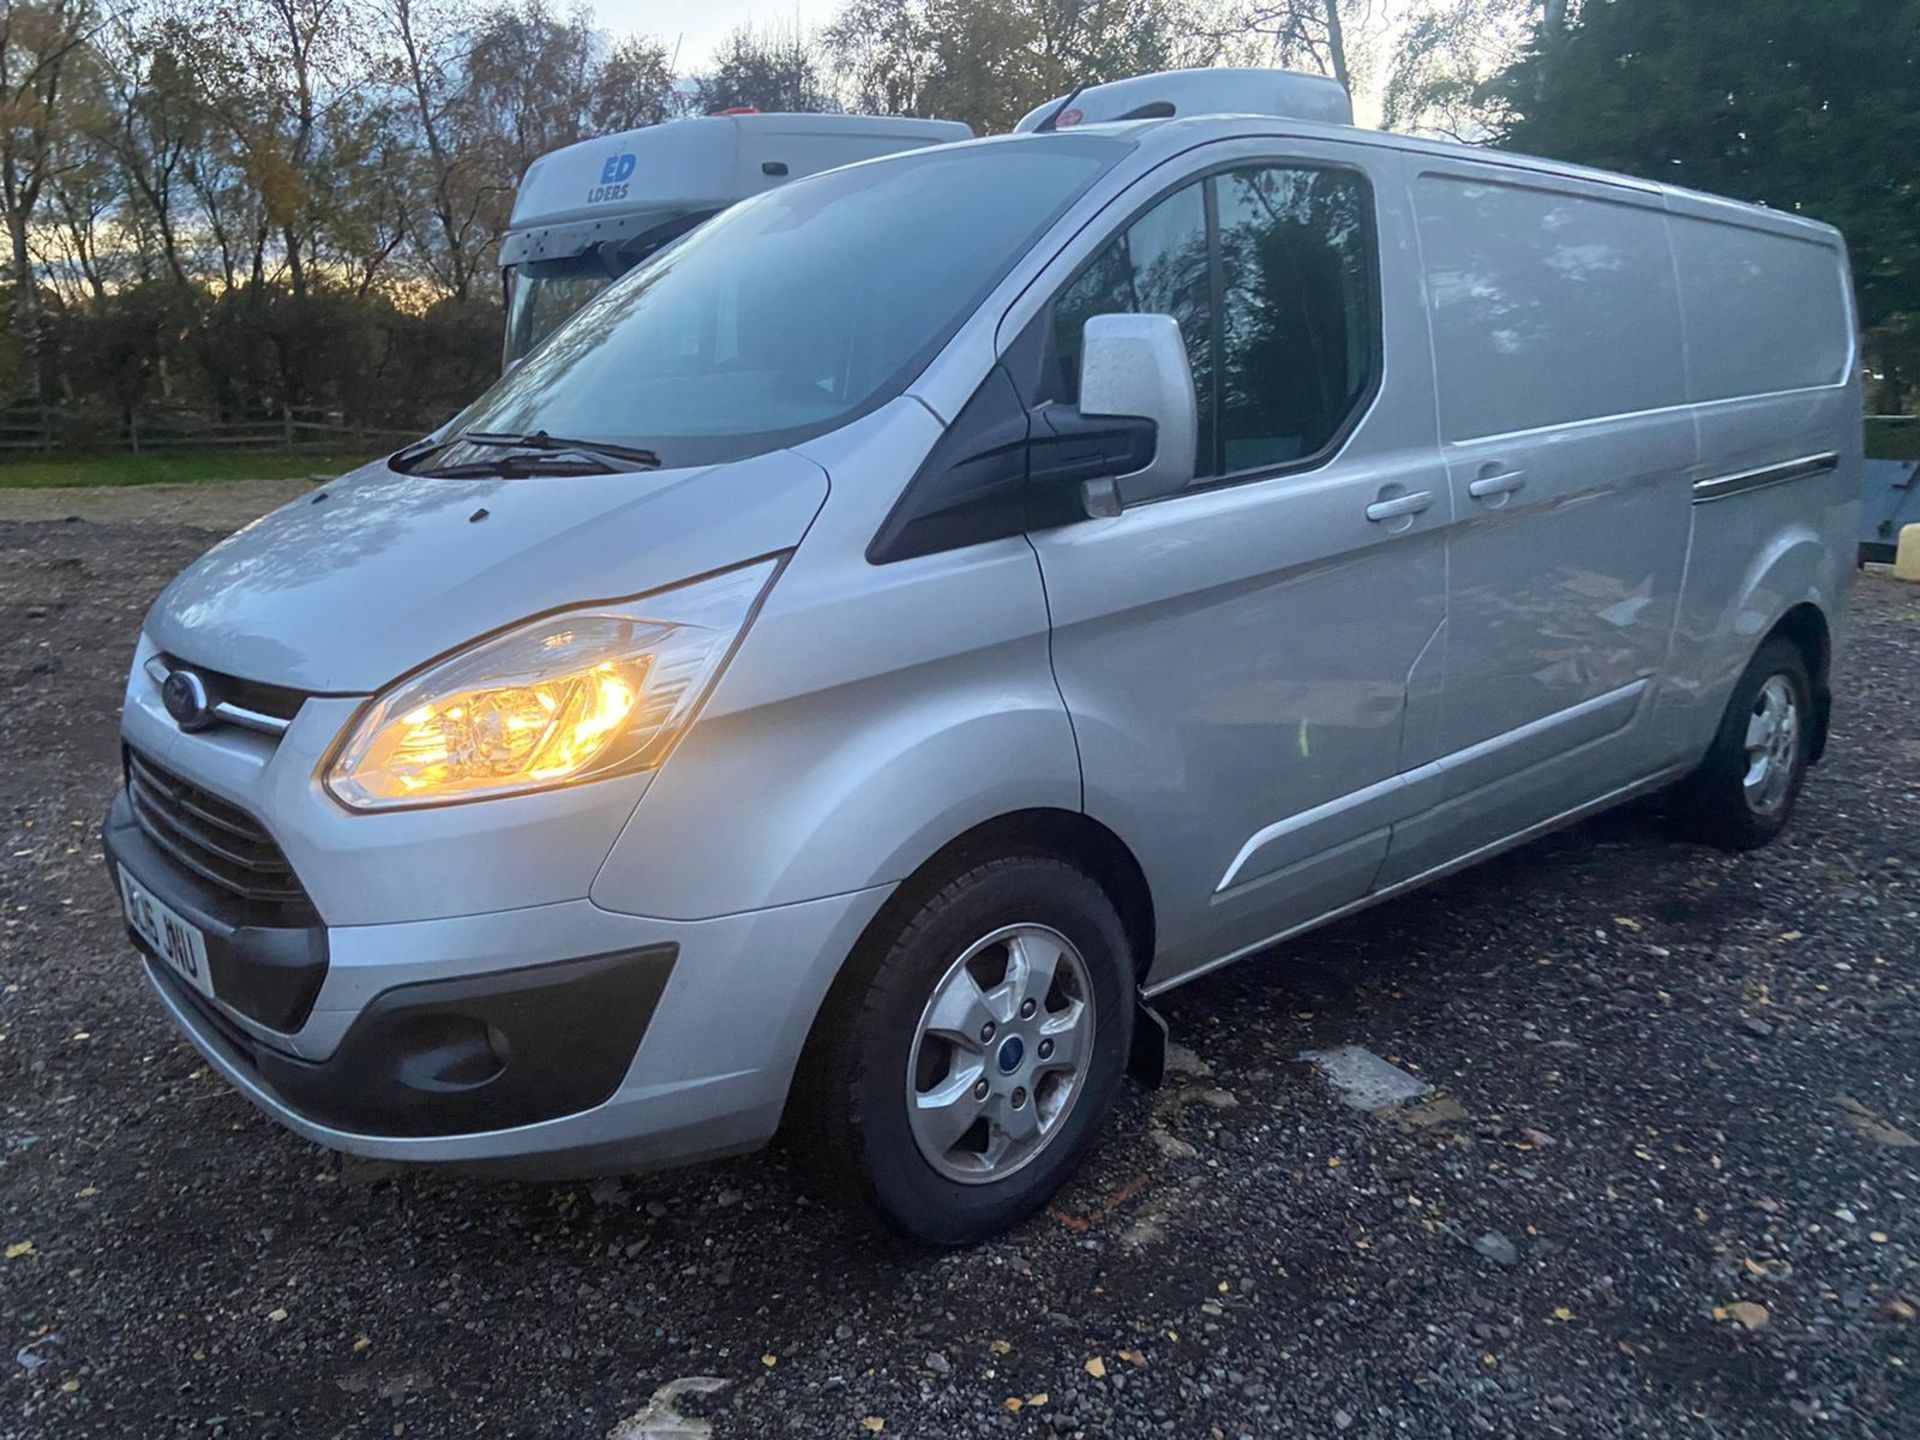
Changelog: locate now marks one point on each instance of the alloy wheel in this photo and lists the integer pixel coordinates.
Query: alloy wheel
(1000, 1053)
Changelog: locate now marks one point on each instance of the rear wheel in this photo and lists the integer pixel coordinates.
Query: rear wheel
(1743, 792)
(964, 1070)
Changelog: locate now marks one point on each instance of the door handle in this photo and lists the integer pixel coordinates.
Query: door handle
(1400, 505)
(1505, 483)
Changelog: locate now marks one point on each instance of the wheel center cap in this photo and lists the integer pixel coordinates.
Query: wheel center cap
(1011, 1051)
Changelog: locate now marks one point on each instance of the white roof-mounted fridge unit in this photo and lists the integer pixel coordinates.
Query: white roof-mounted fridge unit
(1167, 94)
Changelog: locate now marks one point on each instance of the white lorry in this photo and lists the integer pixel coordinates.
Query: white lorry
(587, 213)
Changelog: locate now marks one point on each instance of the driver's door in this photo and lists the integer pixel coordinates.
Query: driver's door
(1250, 664)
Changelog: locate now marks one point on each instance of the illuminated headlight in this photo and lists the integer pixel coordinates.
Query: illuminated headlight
(602, 690)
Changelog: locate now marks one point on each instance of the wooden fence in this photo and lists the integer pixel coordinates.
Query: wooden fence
(39, 431)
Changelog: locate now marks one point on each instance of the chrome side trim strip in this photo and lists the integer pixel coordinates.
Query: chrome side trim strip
(251, 719)
(1805, 468)
(1260, 839)
(1408, 785)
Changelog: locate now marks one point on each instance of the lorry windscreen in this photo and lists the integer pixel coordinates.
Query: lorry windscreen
(794, 312)
(543, 294)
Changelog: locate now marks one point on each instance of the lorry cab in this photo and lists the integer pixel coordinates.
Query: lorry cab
(847, 671)
(588, 213)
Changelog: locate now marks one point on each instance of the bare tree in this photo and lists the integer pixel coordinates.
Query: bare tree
(883, 53)
(431, 36)
(989, 61)
(765, 70)
(81, 201)
(295, 38)
(1335, 37)
(505, 86)
(159, 120)
(42, 50)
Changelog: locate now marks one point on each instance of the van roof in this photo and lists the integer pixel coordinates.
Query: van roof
(1168, 135)
(1190, 106)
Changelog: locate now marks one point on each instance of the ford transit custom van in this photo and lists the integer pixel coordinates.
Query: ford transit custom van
(885, 639)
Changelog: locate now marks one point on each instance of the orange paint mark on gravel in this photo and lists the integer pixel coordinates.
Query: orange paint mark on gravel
(1080, 1224)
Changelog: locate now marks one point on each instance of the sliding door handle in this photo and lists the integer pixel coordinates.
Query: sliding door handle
(1504, 483)
(1399, 506)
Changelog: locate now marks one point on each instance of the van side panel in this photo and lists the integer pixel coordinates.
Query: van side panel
(1766, 311)
(1557, 349)
(1771, 367)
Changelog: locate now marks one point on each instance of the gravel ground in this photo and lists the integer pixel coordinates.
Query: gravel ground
(217, 505)
(1666, 1186)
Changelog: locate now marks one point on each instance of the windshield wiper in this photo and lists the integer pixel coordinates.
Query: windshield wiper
(541, 440)
(548, 454)
(518, 464)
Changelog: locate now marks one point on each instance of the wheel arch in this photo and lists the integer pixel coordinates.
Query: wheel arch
(1076, 838)
(1805, 626)
(1067, 835)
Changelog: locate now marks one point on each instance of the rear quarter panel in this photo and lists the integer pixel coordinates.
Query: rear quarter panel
(1756, 554)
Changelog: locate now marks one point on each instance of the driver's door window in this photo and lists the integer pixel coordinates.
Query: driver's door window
(1157, 266)
(1269, 270)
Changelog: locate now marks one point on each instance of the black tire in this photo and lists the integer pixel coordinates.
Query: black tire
(1715, 805)
(850, 1129)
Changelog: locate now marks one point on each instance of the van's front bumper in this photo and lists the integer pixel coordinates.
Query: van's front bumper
(548, 1041)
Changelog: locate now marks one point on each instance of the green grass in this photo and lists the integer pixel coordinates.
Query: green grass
(21, 471)
(1893, 442)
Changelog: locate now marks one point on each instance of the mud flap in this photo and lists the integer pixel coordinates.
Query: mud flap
(1148, 1061)
(1822, 722)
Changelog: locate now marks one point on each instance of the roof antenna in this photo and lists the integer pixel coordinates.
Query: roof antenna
(1052, 122)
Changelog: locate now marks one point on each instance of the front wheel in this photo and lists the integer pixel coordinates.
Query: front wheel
(1743, 792)
(963, 1072)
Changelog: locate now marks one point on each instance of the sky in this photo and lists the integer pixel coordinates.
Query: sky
(698, 26)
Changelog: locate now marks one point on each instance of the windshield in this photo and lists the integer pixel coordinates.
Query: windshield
(543, 294)
(795, 311)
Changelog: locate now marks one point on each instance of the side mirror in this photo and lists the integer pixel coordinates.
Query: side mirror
(1136, 366)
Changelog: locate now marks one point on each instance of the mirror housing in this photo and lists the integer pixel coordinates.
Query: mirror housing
(1136, 366)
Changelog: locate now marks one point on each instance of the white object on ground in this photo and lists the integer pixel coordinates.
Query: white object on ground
(1364, 1080)
(662, 1420)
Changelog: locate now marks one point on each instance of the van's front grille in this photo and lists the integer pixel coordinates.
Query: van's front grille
(217, 841)
(215, 698)
(276, 702)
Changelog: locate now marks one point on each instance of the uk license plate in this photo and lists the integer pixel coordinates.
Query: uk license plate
(179, 944)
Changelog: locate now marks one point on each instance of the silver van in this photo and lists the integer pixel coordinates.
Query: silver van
(881, 642)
